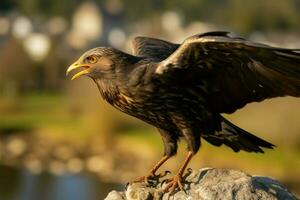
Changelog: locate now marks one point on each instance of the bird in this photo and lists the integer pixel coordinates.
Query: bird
(183, 89)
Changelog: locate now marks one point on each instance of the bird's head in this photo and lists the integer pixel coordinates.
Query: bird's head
(96, 63)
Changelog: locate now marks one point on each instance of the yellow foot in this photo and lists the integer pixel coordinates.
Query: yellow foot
(150, 176)
(173, 184)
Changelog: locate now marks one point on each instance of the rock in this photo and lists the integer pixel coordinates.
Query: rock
(210, 184)
(114, 195)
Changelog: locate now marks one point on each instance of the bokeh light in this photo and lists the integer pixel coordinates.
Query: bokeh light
(117, 37)
(57, 25)
(21, 27)
(37, 45)
(171, 21)
(87, 22)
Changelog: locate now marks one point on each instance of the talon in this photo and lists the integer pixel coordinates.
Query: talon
(189, 171)
(180, 185)
(163, 174)
(149, 177)
(152, 174)
(126, 186)
(174, 183)
(163, 182)
(167, 172)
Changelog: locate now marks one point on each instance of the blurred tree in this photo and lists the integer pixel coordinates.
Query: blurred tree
(6, 5)
(242, 16)
(268, 15)
(16, 68)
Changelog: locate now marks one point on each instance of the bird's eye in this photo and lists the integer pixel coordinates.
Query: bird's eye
(92, 59)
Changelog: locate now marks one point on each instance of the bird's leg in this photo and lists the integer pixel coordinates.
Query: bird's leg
(176, 181)
(193, 142)
(170, 144)
(151, 174)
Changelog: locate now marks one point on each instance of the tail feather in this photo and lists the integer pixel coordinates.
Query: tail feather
(237, 139)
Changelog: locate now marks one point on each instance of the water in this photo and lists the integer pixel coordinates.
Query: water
(19, 184)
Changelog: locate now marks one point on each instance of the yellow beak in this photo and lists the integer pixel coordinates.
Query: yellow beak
(76, 66)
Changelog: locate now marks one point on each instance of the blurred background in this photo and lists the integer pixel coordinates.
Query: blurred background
(60, 141)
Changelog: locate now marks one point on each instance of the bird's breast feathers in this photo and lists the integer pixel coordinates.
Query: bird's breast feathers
(124, 98)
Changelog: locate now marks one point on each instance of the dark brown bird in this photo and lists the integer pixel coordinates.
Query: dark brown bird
(183, 89)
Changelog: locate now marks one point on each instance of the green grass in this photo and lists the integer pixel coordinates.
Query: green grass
(38, 111)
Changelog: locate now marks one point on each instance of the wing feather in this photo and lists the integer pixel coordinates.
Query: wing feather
(234, 71)
(153, 48)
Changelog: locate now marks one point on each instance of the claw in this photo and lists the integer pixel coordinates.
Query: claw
(177, 180)
(151, 177)
(163, 182)
(126, 186)
(173, 184)
(189, 171)
(163, 174)
(167, 172)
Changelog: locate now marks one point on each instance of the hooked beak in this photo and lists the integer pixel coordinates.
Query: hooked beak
(76, 66)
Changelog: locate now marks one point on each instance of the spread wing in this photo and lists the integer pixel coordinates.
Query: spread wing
(153, 48)
(231, 71)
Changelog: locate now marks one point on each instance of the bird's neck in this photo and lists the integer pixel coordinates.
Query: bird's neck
(108, 90)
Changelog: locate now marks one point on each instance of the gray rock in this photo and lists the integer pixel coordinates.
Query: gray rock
(210, 184)
(114, 195)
